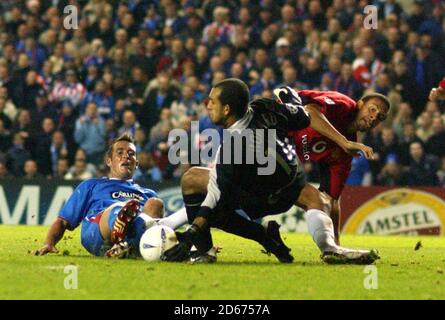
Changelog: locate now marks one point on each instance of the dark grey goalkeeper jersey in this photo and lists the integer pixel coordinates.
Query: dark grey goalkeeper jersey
(258, 169)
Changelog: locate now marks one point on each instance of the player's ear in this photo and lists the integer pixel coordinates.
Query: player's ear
(108, 162)
(137, 164)
(226, 109)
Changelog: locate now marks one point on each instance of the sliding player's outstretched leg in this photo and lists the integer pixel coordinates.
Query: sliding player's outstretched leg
(321, 229)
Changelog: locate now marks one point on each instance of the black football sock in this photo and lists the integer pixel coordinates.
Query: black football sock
(237, 225)
(192, 204)
(201, 238)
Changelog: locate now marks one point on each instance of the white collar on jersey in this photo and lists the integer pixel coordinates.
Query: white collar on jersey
(129, 180)
(243, 122)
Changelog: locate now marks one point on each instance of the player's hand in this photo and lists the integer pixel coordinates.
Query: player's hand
(47, 248)
(437, 94)
(353, 148)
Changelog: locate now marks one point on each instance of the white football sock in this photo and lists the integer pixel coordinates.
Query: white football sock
(321, 229)
(175, 220)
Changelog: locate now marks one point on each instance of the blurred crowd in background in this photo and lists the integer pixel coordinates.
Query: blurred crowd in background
(146, 66)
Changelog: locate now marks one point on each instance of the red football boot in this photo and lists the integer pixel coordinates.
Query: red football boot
(127, 214)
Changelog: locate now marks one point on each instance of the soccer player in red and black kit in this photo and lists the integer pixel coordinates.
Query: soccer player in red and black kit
(347, 117)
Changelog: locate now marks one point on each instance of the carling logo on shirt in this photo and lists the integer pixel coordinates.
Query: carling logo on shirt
(122, 194)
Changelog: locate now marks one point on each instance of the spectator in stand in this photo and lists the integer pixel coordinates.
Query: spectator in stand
(186, 105)
(311, 73)
(367, 67)
(70, 89)
(440, 172)
(62, 168)
(392, 173)
(17, 155)
(347, 84)
(41, 146)
(81, 170)
(5, 79)
(7, 107)
(90, 134)
(58, 149)
(435, 144)
(428, 68)
(219, 30)
(424, 126)
(5, 138)
(4, 173)
(30, 90)
(422, 168)
(43, 109)
(24, 126)
(387, 143)
(404, 82)
(129, 123)
(103, 101)
(402, 116)
(406, 138)
(66, 122)
(147, 172)
(158, 98)
(140, 140)
(18, 80)
(31, 170)
(7, 122)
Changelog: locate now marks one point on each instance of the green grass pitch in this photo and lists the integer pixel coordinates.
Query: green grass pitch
(242, 271)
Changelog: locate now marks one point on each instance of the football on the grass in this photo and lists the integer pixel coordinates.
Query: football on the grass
(155, 241)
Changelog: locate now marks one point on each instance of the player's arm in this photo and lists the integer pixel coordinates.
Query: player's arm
(321, 124)
(54, 235)
(70, 217)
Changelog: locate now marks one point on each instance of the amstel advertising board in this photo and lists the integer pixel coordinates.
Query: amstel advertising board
(384, 211)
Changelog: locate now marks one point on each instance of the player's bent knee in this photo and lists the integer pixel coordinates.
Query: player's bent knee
(195, 180)
(154, 207)
(315, 201)
(310, 198)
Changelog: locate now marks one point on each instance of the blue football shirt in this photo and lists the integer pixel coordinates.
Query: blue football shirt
(93, 196)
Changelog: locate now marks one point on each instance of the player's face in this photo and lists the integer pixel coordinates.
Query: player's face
(217, 112)
(371, 114)
(123, 160)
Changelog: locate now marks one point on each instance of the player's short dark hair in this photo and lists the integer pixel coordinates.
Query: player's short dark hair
(126, 136)
(375, 95)
(234, 93)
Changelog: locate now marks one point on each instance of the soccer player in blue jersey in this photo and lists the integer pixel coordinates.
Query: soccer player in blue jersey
(114, 211)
